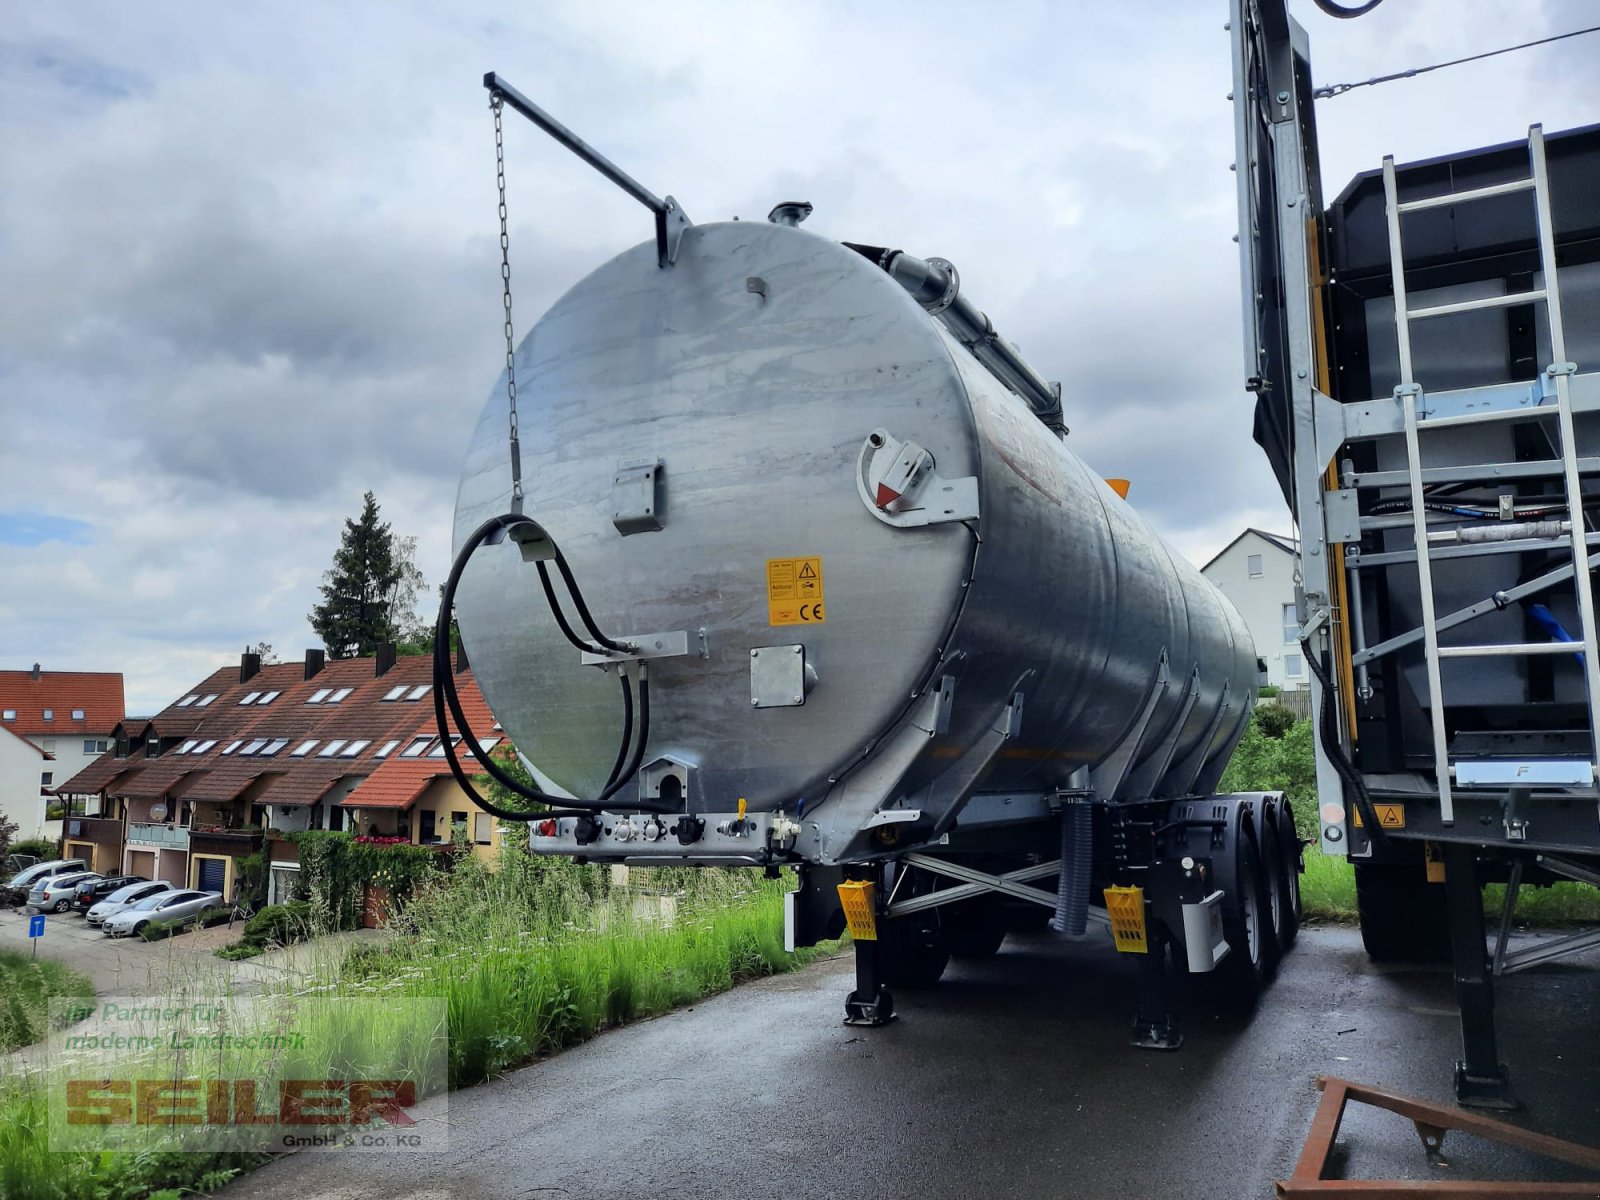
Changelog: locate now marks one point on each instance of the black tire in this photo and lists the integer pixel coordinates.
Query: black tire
(1272, 890)
(1289, 878)
(1403, 916)
(913, 950)
(1240, 978)
(138, 929)
(1025, 917)
(974, 929)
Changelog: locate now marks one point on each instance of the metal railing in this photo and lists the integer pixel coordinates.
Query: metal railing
(173, 837)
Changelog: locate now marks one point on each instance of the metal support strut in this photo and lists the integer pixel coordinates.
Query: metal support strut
(1481, 1080)
(870, 1003)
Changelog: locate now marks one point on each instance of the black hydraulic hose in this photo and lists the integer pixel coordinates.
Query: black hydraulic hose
(583, 609)
(1343, 12)
(445, 695)
(1328, 729)
(561, 616)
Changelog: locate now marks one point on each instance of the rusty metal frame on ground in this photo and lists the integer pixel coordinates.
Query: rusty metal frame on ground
(1432, 1122)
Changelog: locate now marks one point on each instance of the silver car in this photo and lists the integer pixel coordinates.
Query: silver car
(124, 897)
(163, 906)
(54, 894)
(17, 890)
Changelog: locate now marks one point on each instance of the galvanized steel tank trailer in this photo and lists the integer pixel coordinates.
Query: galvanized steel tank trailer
(880, 622)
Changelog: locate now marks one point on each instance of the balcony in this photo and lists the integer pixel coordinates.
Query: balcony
(168, 837)
(100, 830)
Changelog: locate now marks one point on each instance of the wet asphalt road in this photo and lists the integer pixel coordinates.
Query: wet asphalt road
(1012, 1078)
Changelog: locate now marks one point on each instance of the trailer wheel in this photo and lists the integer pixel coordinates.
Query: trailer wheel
(1246, 925)
(912, 950)
(974, 929)
(1402, 914)
(1289, 877)
(1273, 943)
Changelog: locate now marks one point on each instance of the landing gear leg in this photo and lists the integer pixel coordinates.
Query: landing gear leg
(1481, 1080)
(1155, 1025)
(870, 1003)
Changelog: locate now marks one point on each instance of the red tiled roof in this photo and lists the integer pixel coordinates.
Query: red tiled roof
(398, 782)
(97, 776)
(363, 715)
(97, 694)
(399, 792)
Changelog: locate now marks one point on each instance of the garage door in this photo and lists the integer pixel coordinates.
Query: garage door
(211, 873)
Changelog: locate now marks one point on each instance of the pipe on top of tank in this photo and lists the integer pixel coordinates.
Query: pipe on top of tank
(936, 285)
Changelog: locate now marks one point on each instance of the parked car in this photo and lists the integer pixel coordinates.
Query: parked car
(164, 906)
(22, 883)
(124, 898)
(17, 862)
(89, 892)
(54, 892)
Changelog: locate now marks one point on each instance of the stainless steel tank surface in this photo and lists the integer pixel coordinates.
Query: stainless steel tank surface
(707, 442)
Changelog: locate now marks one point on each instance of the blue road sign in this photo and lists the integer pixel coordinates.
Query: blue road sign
(36, 926)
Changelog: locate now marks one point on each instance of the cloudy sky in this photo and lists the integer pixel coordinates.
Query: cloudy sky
(251, 270)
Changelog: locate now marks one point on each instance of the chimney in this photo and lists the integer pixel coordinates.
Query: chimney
(461, 657)
(35, 674)
(384, 659)
(249, 664)
(315, 659)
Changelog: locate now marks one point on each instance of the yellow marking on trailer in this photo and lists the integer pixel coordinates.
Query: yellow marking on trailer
(1390, 816)
(856, 897)
(1434, 862)
(1125, 907)
(795, 592)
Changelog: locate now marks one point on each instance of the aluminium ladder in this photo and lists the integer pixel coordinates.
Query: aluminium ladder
(1558, 373)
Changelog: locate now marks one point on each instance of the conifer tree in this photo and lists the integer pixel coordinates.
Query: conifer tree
(356, 615)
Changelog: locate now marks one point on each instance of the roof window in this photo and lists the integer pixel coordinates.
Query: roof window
(49, 714)
(438, 751)
(318, 696)
(331, 748)
(339, 695)
(232, 746)
(355, 748)
(387, 748)
(249, 697)
(395, 693)
(77, 714)
(304, 748)
(9, 714)
(188, 700)
(417, 693)
(252, 747)
(267, 698)
(188, 746)
(417, 747)
(204, 746)
(205, 700)
(273, 747)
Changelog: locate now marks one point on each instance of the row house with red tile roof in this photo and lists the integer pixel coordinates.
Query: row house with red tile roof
(252, 752)
(66, 717)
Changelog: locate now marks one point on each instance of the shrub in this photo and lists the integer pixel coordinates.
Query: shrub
(40, 848)
(1274, 720)
(1283, 764)
(274, 925)
(1268, 691)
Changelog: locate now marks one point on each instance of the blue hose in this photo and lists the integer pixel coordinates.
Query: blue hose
(1077, 857)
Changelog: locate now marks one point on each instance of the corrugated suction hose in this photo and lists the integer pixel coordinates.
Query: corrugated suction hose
(1077, 854)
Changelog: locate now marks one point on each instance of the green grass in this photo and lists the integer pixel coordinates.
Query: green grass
(26, 987)
(1328, 892)
(529, 960)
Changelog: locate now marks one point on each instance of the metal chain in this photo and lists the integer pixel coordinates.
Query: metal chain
(496, 102)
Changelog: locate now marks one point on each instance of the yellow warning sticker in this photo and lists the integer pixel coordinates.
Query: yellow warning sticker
(794, 591)
(1390, 816)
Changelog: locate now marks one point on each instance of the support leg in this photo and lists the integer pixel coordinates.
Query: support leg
(870, 1003)
(1155, 1026)
(1481, 1080)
